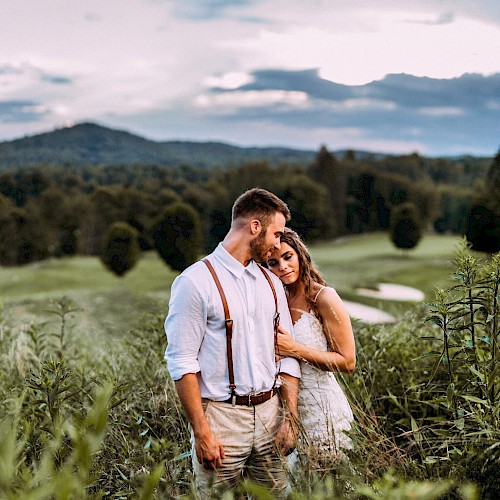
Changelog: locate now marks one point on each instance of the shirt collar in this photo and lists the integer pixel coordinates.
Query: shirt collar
(233, 265)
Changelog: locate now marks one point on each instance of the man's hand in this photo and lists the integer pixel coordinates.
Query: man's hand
(286, 439)
(286, 343)
(209, 450)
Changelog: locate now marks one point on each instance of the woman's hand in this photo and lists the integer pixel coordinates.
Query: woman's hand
(286, 343)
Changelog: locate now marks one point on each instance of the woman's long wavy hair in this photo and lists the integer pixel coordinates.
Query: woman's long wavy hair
(309, 273)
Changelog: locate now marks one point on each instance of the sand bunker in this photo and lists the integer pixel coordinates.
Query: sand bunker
(390, 291)
(368, 314)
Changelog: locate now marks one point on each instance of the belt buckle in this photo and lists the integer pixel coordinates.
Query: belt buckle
(250, 399)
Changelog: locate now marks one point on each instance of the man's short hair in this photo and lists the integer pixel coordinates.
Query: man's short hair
(259, 204)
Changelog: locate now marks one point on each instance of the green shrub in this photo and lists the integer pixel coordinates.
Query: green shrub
(78, 422)
(426, 394)
(120, 250)
(483, 226)
(405, 226)
(177, 236)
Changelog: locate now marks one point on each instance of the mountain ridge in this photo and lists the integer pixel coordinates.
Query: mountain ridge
(91, 144)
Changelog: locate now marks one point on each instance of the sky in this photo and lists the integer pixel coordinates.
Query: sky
(390, 76)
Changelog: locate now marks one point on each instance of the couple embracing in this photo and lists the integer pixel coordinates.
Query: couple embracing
(252, 351)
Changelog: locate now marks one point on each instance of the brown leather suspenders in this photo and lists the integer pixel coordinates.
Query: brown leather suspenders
(276, 319)
(229, 330)
(229, 323)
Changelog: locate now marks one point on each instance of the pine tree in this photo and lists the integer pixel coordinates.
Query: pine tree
(331, 174)
(493, 180)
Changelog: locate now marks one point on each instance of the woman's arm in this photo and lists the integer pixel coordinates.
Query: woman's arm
(338, 332)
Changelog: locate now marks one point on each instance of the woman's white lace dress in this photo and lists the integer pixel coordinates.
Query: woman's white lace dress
(324, 412)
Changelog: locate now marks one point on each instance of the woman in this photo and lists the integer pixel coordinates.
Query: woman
(324, 344)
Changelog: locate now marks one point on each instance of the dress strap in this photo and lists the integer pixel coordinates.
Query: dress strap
(317, 295)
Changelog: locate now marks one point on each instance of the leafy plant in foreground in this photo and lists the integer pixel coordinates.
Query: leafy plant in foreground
(49, 476)
(466, 430)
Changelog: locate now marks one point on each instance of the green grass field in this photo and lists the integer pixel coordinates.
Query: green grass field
(369, 259)
(114, 305)
(106, 303)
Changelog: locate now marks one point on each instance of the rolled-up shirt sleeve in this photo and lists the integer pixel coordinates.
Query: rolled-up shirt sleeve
(185, 327)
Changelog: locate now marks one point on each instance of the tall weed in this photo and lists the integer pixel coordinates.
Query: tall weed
(56, 391)
(425, 392)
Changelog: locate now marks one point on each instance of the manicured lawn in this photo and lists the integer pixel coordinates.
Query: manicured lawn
(369, 259)
(107, 304)
(114, 305)
(82, 273)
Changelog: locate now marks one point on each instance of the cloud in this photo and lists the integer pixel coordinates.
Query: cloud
(442, 111)
(56, 80)
(424, 114)
(23, 74)
(20, 111)
(427, 95)
(9, 69)
(91, 17)
(307, 81)
(231, 80)
(354, 46)
(202, 10)
(224, 102)
(444, 18)
(258, 71)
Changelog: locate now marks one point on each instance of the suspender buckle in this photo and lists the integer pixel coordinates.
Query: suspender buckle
(233, 394)
(276, 320)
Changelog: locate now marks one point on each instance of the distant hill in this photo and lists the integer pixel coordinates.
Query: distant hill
(91, 144)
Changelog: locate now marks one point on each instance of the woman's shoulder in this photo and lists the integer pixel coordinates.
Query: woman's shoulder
(326, 298)
(323, 293)
(329, 302)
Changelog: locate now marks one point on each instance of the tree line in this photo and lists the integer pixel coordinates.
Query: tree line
(55, 211)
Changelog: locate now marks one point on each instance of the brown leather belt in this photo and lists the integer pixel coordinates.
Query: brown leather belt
(252, 399)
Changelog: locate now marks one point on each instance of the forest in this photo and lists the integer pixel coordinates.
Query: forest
(51, 211)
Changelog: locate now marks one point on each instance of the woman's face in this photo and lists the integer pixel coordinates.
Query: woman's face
(284, 263)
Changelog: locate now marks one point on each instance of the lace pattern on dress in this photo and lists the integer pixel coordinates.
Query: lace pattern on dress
(324, 411)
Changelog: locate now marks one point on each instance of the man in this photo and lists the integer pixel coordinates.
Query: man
(235, 436)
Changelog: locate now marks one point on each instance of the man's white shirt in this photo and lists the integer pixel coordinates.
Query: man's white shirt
(196, 331)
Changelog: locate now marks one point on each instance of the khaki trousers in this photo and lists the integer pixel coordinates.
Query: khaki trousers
(247, 434)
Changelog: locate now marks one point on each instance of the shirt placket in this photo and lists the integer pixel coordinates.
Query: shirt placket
(250, 291)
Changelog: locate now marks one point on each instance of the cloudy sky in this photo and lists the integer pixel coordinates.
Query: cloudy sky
(381, 75)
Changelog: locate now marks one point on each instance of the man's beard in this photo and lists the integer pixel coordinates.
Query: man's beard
(259, 250)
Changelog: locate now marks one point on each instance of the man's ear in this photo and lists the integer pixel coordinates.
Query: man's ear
(255, 227)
